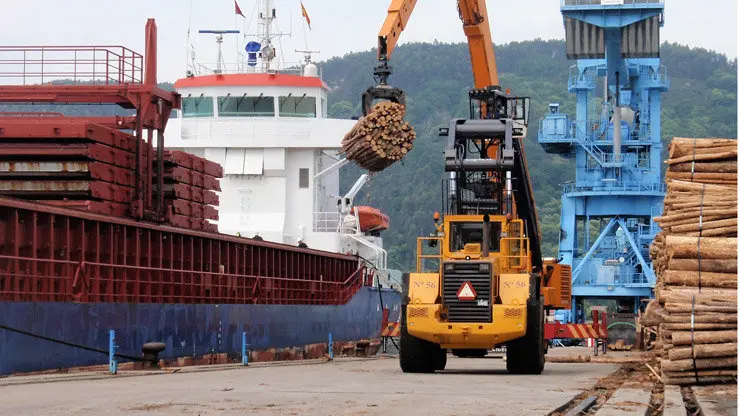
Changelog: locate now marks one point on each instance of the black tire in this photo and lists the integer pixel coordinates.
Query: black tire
(441, 362)
(418, 355)
(470, 353)
(526, 355)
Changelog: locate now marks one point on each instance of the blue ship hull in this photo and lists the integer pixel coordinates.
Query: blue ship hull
(187, 330)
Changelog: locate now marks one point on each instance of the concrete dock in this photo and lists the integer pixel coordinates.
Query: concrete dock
(342, 387)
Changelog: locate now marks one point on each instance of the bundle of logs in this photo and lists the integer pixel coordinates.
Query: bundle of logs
(620, 345)
(380, 138)
(695, 257)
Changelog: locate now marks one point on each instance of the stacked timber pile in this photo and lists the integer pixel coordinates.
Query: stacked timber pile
(380, 138)
(695, 258)
(190, 183)
(620, 345)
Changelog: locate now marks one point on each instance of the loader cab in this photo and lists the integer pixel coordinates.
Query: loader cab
(492, 103)
(466, 234)
(463, 236)
(460, 238)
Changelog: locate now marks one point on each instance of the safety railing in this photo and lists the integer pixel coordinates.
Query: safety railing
(616, 279)
(555, 128)
(515, 254)
(647, 231)
(326, 222)
(580, 80)
(607, 2)
(584, 132)
(658, 77)
(29, 65)
(421, 255)
(571, 187)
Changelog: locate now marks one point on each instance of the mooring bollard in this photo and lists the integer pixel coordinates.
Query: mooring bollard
(331, 347)
(245, 350)
(112, 360)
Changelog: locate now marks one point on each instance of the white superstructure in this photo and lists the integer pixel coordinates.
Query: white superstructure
(268, 127)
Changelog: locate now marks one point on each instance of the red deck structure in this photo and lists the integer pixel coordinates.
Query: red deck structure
(112, 75)
(56, 254)
(121, 220)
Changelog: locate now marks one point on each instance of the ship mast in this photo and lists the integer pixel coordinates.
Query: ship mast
(267, 14)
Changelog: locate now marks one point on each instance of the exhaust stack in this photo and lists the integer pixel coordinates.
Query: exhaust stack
(485, 248)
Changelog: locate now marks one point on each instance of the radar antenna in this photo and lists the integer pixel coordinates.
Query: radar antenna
(219, 42)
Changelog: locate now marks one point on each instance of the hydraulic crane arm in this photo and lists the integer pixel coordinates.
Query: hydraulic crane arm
(473, 14)
(475, 25)
(399, 13)
(474, 17)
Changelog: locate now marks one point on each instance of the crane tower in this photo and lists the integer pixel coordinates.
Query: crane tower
(606, 222)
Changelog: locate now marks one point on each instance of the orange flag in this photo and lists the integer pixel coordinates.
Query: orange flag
(303, 12)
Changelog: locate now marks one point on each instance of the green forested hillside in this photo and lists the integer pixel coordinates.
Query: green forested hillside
(701, 102)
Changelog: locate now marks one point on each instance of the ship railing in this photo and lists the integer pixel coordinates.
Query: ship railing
(69, 280)
(213, 68)
(326, 222)
(107, 65)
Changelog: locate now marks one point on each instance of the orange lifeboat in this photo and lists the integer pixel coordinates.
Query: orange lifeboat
(371, 219)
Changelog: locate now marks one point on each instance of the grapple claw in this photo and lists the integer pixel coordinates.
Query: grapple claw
(381, 92)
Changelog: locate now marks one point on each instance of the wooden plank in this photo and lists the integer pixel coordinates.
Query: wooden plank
(626, 402)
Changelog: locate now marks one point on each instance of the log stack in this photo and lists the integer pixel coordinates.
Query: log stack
(695, 259)
(380, 138)
(620, 345)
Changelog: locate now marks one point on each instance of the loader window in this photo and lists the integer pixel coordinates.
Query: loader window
(462, 233)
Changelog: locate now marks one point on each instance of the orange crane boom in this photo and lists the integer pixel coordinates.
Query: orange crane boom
(473, 14)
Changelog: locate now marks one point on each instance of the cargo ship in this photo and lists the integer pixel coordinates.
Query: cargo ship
(220, 225)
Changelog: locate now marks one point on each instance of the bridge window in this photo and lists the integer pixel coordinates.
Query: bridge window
(301, 106)
(462, 233)
(246, 106)
(197, 107)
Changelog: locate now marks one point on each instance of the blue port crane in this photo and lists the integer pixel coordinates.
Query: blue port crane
(607, 213)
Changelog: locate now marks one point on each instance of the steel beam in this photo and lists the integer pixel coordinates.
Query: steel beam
(593, 248)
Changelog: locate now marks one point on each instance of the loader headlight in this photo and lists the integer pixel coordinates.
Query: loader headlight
(485, 267)
(449, 267)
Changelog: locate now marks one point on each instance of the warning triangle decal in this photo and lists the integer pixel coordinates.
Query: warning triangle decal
(466, 292)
